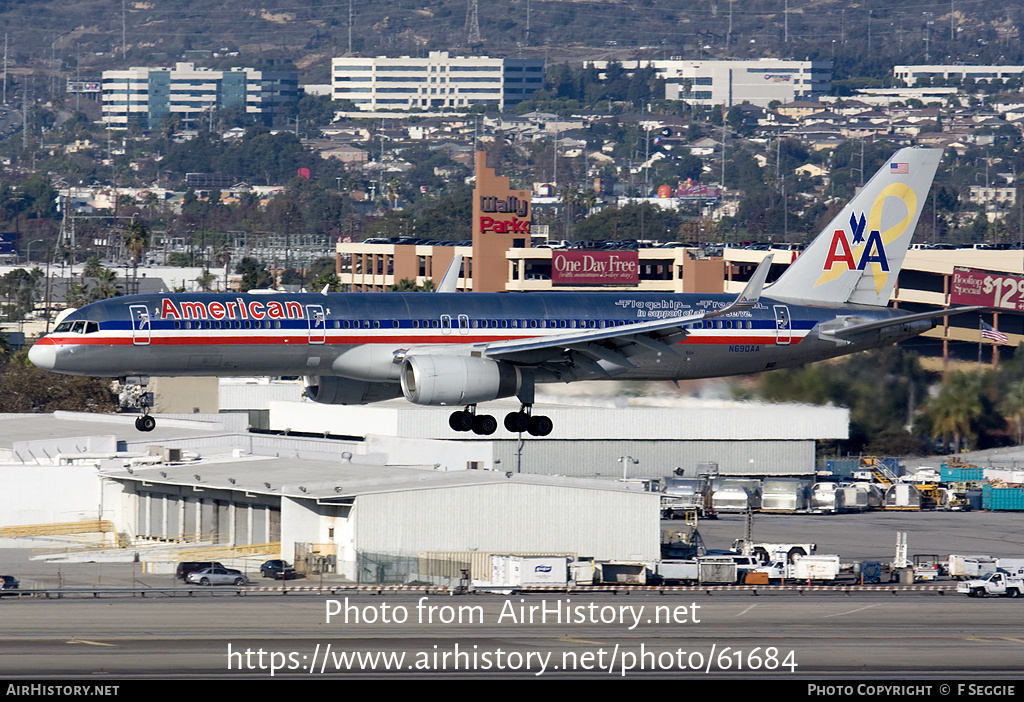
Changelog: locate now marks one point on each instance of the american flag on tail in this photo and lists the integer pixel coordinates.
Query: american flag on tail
(992, 334)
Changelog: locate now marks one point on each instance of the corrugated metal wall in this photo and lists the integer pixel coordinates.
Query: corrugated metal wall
(511, 517)
(657, 458)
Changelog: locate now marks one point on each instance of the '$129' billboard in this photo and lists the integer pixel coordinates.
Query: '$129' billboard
(971, 286)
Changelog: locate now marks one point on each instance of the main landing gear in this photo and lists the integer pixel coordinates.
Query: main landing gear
(134, 396)
(515, 422)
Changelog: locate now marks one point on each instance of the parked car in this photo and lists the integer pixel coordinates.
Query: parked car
(186, 567)
(279, 570)
(217, 576)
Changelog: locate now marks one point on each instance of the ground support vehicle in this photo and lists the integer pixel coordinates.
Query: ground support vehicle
(765, 552)
(998, 583)
(927, 567)
(803, 568)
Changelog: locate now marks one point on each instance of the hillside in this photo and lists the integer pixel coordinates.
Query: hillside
(864, 39)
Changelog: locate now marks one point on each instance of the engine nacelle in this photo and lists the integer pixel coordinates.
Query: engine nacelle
(334, 390)
(457, 380)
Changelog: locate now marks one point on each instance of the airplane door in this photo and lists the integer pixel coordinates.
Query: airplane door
(463, 323)
(783, 325)
(446, 324)
(317, 324)
(140, 324)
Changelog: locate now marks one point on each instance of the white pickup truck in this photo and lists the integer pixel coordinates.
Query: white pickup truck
(998, 583)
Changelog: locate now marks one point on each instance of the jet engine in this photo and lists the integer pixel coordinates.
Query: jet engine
(457, 380)
(334, 390)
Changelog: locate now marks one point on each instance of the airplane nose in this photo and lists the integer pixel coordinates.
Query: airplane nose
(43, 355)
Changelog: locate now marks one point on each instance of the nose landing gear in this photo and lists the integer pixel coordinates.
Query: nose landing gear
(134, 396)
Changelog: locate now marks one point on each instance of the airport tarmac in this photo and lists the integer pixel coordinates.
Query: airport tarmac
(683, 635)
(815, 635)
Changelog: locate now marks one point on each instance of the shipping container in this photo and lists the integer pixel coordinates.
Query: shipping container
(960, 474)
(902, 496)
(784, 495)
(1005, 499)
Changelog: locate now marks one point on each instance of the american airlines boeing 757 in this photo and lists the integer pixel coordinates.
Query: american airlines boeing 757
(468, 348)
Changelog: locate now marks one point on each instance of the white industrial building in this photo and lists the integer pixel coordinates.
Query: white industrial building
(910, 75)
(148, 95)
(758, 81)
(587, 441)
(437, 82)
(348, 506)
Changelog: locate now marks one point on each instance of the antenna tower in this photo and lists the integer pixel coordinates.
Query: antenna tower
(473, 24)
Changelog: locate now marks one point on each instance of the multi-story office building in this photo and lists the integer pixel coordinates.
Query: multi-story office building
(758, 82)
(437, 82)
(912, 74)
(148, 95)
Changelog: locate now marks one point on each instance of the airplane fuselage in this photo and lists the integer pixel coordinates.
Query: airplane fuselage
(356, 335)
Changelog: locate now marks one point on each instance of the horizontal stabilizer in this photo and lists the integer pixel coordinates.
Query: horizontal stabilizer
(855, 329)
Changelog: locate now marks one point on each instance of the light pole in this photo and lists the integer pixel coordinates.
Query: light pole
(28, 253)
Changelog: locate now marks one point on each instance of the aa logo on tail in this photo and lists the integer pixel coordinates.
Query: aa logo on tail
(863, 248)
(841, 249)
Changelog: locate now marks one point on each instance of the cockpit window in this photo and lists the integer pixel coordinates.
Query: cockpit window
(78, 327)
(63, 327)
(92, 327)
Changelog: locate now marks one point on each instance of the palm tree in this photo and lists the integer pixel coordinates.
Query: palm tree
(106, 285)
(136, 239)
(955, 409)
(206, 280)
(1012, 407)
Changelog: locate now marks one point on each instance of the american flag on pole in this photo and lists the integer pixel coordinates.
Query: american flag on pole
(991, 333)
(899, 168)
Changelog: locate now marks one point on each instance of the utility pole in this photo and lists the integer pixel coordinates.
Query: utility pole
(786, 20)
(124, 49)
(928, 35)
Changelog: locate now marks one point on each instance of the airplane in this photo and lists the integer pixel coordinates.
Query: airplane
(464, 349)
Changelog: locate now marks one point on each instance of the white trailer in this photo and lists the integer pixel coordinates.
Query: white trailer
(823, 568)
(966, 567)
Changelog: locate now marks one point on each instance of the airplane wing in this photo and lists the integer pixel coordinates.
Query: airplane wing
(606, 351)
(850, 326)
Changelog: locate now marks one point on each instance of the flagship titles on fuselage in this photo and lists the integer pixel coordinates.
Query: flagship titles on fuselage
(230, 309)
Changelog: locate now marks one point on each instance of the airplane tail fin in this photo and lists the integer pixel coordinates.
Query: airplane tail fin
(858, 256)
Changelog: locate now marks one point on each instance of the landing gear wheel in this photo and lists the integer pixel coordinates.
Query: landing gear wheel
(540, 425)
(145, 423)
(517, 422)
(460, 421)
(485, 425)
